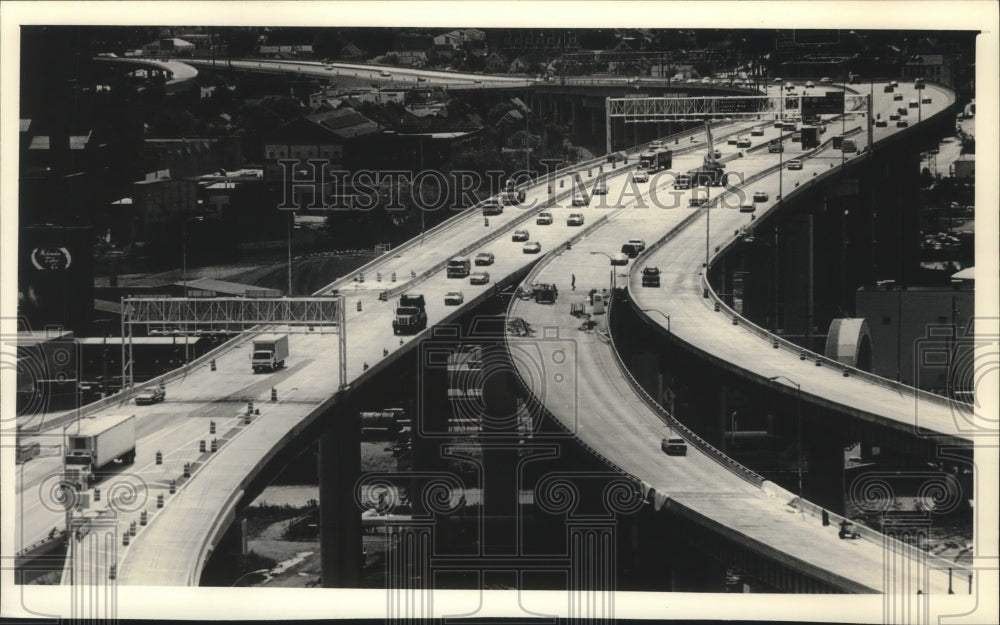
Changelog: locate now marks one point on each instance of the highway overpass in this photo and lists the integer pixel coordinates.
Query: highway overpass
(623, 425)
(177, 75)
(174, 544)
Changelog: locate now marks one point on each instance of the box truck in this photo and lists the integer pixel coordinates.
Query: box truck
(269, 352)
(810, 137)
(99, 442)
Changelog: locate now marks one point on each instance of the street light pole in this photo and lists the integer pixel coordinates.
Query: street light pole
(184, 249)
(708, 220)
(612, 269)
(667, 317)
(291, 218)
(798, 417)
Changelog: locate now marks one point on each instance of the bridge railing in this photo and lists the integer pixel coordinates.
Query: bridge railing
(474, 212)
(528, 279)
(715, 454)
(911, 552)
(779, 342)
(707, 448)
(124, 396)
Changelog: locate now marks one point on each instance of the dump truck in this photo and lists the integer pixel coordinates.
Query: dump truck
(655, 160)
(100, 441)
(269, 352)
(411, 316)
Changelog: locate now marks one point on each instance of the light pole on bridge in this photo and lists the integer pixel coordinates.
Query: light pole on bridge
(667, 317)
(184, 249)
(610, 260)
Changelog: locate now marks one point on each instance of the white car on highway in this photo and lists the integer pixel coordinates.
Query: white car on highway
(480, 277)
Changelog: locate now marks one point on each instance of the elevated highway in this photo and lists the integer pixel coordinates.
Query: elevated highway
(177, 75)
(390, 76)
(752, 351)
(173, 546)
(621, 424)
(386, 75)
(197, 512)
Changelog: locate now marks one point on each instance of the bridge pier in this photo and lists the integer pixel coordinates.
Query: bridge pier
(339, 519)
(823, 454)
(500, 453)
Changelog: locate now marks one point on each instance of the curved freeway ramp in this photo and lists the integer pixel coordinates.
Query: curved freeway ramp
(749, 350)
(178, 74)
(608, 415)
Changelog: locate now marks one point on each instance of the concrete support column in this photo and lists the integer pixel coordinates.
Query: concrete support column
(723, 418)
(824, 458)
(500, 458)
(339, 518)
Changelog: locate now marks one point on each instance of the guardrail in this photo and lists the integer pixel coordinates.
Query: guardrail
(730, 464)
(123, 396)
(869, 534)
(779, 342)
(473, 210)
(707, 448)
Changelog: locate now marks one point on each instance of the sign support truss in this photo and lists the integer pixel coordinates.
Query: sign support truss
(667, 109)
(177, 315)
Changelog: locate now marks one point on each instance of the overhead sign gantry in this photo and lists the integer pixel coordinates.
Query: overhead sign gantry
(640, 110)
(299, 314)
